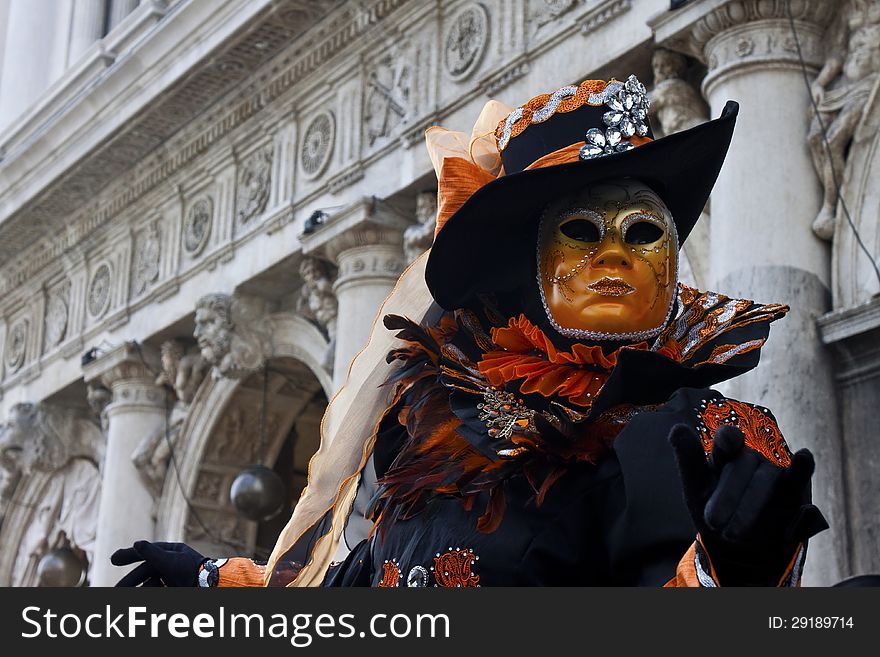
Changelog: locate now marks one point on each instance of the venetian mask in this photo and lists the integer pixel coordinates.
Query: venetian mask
(608, 262)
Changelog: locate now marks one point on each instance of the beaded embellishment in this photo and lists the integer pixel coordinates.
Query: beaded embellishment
(390, 574)
(454, 568)
(757, 424)
(504, 414)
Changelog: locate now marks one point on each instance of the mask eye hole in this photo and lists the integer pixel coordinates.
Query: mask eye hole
(582, 230)
(642, 232)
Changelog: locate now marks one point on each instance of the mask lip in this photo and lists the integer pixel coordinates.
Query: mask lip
(602, 336)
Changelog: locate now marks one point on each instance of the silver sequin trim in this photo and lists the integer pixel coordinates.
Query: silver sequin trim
(602, 97)
(703, 577)
(795, 576)
(544, 113)
(512, 118)
(725, 356)
(723, 319)
(556, 97)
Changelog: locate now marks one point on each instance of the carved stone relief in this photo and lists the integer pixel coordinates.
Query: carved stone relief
(317, 301)
(238, 434)
(99, 291)
(233, 333)
(387, 98)
(42, 439)
(254, 180)
(55, 324)
(317, 144)
(466, 41)
(418, 238)
(16, 345)
(547, 11)
(182, 371)
(147, 251)
(197, 225)
(847, 82)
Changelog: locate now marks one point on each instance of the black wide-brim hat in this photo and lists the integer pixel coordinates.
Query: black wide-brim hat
(491, 239)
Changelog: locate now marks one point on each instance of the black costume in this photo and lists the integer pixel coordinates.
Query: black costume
(508, 452)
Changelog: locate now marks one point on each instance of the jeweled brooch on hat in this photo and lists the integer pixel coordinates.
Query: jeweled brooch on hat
(628, 111)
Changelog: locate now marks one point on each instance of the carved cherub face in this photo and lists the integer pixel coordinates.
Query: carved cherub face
(607, 260)
(213, 330)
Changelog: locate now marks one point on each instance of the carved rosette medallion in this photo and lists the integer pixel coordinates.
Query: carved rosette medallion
(317, 144)
(99, 291)
(466, 41)
(16, 345)
(253, 185)
(56, 318)
(197, 225)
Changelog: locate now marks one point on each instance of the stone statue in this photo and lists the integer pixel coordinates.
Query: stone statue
(418, 238)
(317, 301)
(98, 398)
(675, 104)
(183, 372)
(233, 333)
(61, 451)
(842, 92)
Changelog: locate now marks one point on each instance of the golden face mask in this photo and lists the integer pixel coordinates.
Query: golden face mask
(608, 263)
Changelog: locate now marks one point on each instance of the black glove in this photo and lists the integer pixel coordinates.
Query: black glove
(165, 564)
(750, 513)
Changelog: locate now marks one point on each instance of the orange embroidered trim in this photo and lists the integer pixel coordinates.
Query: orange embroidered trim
(759, 427)
(240, 572)
(572, 153)
(527, 354)
(390, 575)
(454, 569)
(579, 99)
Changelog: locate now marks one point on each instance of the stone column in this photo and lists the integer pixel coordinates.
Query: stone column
(762, 244)
(87, 27)
(368, 271)
(119, 9)
(137, 409)
(27, 55)
(366, 242)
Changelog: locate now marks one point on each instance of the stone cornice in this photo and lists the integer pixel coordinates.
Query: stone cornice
(237, 111)
(691, 28)
(844, 324)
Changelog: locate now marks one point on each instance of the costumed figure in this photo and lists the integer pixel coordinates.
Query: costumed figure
(546, 416)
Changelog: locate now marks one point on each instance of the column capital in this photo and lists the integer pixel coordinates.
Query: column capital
(365, 223)
(130, 371)
(733, 35)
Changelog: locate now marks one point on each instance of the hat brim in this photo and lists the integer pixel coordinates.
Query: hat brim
(494, 232)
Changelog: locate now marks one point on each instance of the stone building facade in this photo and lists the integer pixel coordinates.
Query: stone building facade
(203, 205)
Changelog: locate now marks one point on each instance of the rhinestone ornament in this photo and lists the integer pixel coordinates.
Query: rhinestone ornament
(626, 116)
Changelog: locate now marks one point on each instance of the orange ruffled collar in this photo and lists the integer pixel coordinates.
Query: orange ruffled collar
(527, 355)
